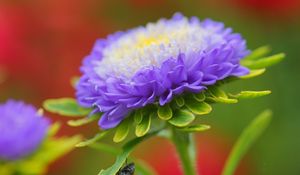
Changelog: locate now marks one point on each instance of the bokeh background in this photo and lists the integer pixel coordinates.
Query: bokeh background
(42, 43)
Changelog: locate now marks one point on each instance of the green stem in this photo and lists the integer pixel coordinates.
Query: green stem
(185, 147)
(141, 166)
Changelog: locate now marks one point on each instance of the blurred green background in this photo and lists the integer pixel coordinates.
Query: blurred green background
(42, 44)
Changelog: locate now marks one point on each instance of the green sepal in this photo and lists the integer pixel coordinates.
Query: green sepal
(96, 138)
(195, 128)
(182, 118)
(258, 53)
(122, 130)
(144, 126)
(179, 101)
(83, 121)
(200, 97)
(251, 94)
(215, 91)
(65, 107)
(164, 112)
(254, 73)
(217, 95)
(138, 116)
(221, 100)
(198, 108)
(263, 62)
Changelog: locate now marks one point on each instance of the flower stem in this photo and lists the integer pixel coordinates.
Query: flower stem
(141, 166)
(185, 146)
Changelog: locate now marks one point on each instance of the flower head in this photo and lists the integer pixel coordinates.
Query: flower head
(22, 130)
(150, 64)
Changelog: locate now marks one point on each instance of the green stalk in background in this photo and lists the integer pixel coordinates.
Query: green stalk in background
(247, 138)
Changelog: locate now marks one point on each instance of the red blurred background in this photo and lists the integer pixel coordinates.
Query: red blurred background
(42, 44)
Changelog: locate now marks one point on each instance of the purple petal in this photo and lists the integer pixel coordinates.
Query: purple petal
(106, 123)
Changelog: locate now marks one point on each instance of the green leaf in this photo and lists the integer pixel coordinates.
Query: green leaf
(253, 73)
(56, 147)
(195, 128)
(122, 131)
(50, 150)
(258, 53)
(264, 62)
(199, 108)
(96, 138)
(65, 107)
(164, 112)
(199, 97)
(138, 116)
(179, 101)
(121, 158)
(251, 94)
(83, 121)
(246, 139)
(182, 118)
(144, 126)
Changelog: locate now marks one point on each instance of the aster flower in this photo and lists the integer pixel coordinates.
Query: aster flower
(22, 130)
(27, 138)
(153, 64)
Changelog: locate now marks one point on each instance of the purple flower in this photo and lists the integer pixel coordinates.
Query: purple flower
(150, 64)
(22, 130)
